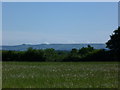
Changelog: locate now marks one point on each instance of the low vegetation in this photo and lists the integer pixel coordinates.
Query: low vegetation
(51, 55)
(60, 75)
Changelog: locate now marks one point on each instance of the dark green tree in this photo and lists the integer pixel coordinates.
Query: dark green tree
(114, 42)
(33, 55)
(74, 51)
(85, 50)
(50, 54)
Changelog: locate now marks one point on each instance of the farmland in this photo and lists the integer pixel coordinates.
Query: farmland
(60, 75)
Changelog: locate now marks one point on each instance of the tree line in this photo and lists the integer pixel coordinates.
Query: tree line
(84, 54)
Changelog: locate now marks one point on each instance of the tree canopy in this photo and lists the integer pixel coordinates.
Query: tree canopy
(114, 42)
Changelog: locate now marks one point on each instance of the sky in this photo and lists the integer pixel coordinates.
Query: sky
(0, 23)
(58, 22)
(119, 13)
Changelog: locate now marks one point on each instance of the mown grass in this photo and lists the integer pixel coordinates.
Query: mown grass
(60, 75)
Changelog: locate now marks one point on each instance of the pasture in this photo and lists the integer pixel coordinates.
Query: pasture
(60, 75)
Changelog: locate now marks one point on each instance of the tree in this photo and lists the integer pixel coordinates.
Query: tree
(114, 42)
(85, 50)
(50, 54)
(33, 55)
(74, 51)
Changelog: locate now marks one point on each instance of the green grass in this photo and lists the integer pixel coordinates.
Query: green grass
(60, 75)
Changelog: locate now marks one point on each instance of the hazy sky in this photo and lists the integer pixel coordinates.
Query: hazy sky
(0, 23)
(35, 23)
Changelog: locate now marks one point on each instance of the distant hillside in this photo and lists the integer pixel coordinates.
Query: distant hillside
(55, 46)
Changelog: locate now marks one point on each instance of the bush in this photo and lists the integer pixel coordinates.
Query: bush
(51, 55)
(85, 50)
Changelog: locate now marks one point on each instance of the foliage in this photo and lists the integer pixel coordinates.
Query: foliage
(51, 55)
(85, 50)
(114, 42)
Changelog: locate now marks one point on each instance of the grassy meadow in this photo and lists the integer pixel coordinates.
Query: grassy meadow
(59, 74)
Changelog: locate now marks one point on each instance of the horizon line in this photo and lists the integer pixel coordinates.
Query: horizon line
(50, 44)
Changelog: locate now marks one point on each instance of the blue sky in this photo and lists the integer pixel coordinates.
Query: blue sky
(0, 23)
(62, 22)
(119, 13)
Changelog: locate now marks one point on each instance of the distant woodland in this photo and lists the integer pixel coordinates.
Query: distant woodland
(75, 55)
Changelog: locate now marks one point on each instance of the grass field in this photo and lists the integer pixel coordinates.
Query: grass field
(60, 75)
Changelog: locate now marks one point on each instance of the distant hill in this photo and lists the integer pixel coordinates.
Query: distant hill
(55, 46)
